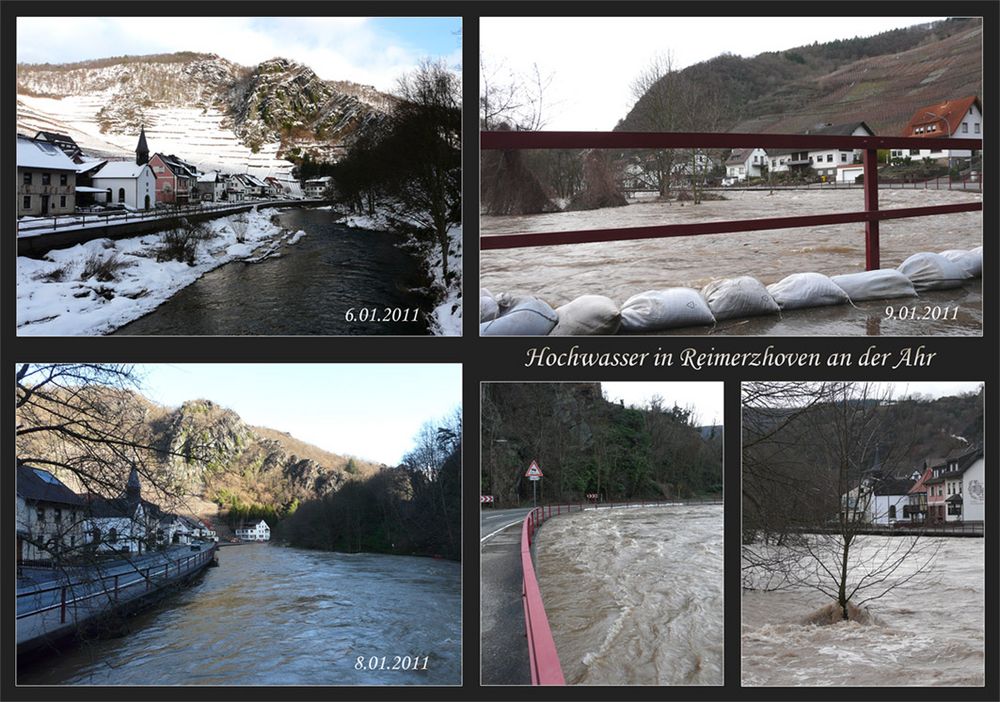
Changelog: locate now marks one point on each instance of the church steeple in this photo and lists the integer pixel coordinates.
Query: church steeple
(141, 150)
(132, 488)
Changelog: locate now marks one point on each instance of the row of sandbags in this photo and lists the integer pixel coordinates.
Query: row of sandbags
(655, 310)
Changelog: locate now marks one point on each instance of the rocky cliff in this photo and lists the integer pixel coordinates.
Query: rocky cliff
(277, 101)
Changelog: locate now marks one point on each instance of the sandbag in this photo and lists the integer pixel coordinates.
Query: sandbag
(508, 301)
(969, 261)
(488, 307)
(738, 297)
(931, 271)
(530, 317)
(588, 314)
(801, 290)
(665, 309)
(883, 284)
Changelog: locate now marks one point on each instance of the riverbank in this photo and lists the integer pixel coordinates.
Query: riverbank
(96, 287)
(446, 318)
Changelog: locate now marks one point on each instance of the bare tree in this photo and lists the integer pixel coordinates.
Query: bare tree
(658, 108)
(819, 452)
(509, 99)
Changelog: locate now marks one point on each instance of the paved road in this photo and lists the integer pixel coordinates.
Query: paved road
(504, 648)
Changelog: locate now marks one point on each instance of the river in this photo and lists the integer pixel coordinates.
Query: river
(929, 631)
(309, 289)
(635, 596)
(272, 615)
(620, 269)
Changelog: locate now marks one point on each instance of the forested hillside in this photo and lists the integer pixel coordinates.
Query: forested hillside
(586, 444)
(879, 79)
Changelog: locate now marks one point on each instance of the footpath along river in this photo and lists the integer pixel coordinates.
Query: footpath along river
(272, 615)
(309, 289)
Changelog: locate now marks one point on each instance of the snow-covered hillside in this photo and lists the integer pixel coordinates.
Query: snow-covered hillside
(201, 107)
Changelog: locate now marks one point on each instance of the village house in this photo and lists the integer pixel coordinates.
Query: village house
(746, 163)
(956, 119)
(46, 179)
(49, 516)
(211, 187)
(316, 187)
(126, 183)
(175, 178)
(916, 508)
(253, 187)
(275, 188)
(64, 143)
(235, 189)
(258, 531)
(949, 497)
(828, 164)
(86, 193)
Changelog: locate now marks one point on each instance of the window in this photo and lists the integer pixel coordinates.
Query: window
(27, 202)
(57, 515)
(121, 194)
(27, 177)
(843, 158)
(892, 511)
(62, 179)
(40, 514)
(965, 127)
(112, 535)
(914, 152)
(829, 158)
(62, 200)
(46, 178)
(975, 127)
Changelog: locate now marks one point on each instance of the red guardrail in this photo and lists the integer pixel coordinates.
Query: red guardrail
(871, 215)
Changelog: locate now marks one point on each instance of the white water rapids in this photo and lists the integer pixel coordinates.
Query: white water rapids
(634, 596)
(927, 632)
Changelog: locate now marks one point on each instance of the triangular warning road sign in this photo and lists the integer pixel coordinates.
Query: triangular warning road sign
(533, 471)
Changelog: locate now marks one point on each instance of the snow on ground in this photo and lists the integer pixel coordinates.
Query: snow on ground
(54, 299)
(446, 318)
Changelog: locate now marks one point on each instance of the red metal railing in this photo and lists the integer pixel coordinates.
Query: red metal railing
(543, 659)
(871, 215)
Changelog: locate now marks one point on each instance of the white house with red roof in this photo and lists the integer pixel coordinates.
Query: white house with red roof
(961, 118)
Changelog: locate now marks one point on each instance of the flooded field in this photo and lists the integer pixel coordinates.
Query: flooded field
(928, 632)
(635, 596)
(620, 269)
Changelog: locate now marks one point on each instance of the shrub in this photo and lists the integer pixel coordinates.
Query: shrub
(104, 268)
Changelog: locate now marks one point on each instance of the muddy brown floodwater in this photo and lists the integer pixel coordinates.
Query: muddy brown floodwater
(634, 596)
(928, 632)
(620, 269)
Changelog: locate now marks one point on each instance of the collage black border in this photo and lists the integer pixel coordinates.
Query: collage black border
(969, 359)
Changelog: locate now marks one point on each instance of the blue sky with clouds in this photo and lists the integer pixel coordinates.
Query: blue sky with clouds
(371, 411)
(372, 51)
